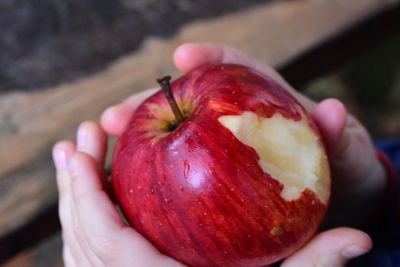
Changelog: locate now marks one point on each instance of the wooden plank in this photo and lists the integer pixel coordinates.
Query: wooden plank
(46, 254)
(31, 122)
(44, 224)
(344, 47)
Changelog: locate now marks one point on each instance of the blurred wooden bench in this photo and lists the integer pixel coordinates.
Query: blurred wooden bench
(302, 38)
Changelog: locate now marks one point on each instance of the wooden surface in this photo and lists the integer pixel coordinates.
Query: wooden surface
(30, 123)
(45, 254)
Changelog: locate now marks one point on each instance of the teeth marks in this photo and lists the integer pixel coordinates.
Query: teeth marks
(289, 151)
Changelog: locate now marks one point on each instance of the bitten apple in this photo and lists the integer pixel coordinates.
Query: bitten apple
(239, 178)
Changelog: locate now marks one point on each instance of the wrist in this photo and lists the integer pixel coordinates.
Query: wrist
(371, 194)
(356, 199)
(382, 207)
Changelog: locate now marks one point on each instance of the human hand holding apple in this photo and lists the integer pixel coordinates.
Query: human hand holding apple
(333, 247)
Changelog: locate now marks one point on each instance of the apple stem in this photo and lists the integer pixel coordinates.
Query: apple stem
(166, 88)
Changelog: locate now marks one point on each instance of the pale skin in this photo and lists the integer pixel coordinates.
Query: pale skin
(95, 235)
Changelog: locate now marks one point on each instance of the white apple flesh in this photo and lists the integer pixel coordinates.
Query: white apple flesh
(289, 151)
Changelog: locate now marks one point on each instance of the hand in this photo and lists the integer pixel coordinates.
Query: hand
(93, 232)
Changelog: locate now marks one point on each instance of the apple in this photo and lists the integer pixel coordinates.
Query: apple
(232, 173)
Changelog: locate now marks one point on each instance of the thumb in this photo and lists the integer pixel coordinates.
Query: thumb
(356, 170)
(332, 248)
(331, 117)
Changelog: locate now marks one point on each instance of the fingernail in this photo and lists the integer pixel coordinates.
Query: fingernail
(82, 137)
(353, 251)
(60, 158)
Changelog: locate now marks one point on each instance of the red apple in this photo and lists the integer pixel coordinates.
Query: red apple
(244, 180)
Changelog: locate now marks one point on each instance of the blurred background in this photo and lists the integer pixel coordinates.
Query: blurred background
(65, 61)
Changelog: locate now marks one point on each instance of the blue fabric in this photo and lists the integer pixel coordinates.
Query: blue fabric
(381, 256)
(392, 149)
(386, 258)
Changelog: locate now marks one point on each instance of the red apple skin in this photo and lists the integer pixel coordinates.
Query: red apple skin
(198, 193)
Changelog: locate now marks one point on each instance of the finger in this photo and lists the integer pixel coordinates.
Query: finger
(191, 55)
(92, 205)
(92, 140)
(115, 118)
(353, 145)
(62, 153)
(331, 116)
(74, 256)
(331, 248)
(109, 238)
(73, 259)
(357, 172)
(87, 193)
(74, 252)
(67, 257)
(76, 238)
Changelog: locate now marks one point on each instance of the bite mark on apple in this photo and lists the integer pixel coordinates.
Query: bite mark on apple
(290, 151)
